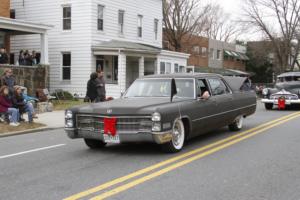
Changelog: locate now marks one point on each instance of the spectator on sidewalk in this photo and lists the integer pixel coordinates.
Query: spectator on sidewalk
(91, 93)
(21, 58)
(23, 106)
(6, 107)
(28, 59)
(8, 80)
(34, 58)
(3, 56)
(101, 92)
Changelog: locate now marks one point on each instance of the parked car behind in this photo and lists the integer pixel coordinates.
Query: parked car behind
(287, 89)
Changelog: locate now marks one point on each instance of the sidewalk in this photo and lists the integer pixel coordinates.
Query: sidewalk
(52, 120)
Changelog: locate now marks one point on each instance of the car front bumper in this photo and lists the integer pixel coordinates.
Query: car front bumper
(275, 101)
(154, 137)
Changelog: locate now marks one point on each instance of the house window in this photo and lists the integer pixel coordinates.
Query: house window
(67, 18)
(165, 68)
(156, 28)
(162, 67)
(12, 13)
(212, 53)
(176, 68)
(196, 49)
(100, 17)
(140, 26)
(166, 45)
(219, 54)
(121, 21)
(66, 66)
(204, 51)
(111, 69)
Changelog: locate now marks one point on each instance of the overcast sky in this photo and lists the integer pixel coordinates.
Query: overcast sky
(235, 8)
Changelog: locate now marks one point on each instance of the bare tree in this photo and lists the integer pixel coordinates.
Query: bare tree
(182, 18)
(219, 25)
(279, 21)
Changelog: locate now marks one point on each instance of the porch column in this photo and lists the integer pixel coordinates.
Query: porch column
(122, 72)
(157, 65)
(141, 66)
(44, 49)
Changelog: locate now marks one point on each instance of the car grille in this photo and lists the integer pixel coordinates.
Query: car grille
(124, 124)
(286, 96)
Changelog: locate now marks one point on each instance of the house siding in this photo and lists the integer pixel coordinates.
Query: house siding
(84, 34)
(77, 41)
(132, 9)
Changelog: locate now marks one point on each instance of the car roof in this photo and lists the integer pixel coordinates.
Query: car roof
(182, 75)
(289, 74)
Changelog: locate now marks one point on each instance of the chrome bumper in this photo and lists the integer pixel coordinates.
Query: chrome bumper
(155, 137)
(275, 101)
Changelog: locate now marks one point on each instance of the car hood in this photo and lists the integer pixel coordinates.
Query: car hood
(292, 87)
(124, 106)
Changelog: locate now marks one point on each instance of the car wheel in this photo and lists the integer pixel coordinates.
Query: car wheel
(94, 144)
(268, 106)
(178, 138)
(237, 124)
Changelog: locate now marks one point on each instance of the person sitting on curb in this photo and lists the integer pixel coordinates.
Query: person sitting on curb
(22, 105)
(6, 107)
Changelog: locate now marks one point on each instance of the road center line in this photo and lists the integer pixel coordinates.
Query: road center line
(184, 162)
(171, 160)
(31, 151)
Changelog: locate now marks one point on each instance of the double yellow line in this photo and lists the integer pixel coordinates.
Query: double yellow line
(172, 163)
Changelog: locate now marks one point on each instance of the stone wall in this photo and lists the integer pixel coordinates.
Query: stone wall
(31, 77)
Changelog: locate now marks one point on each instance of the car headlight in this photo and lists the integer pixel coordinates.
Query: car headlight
(69, 123)
(69, 119)
(156, 126)
(265, 91)
(69, 114)
(156, 117)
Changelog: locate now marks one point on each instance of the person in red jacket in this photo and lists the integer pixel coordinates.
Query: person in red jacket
(6, 106)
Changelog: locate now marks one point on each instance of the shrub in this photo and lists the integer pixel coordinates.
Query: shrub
(63, 95)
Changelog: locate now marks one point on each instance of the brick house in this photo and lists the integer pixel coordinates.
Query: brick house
(209, 53)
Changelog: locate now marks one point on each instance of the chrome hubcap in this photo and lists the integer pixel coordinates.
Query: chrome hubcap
(239, 122)
(178, 135)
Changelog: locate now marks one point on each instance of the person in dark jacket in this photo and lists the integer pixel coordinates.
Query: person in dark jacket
(3, 56)
(20, 104)
(101, 92)
(6, 107)
(21, 58)
(8, 80)
(91, 92)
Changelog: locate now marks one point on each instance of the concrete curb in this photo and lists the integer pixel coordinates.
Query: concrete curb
(42, 129)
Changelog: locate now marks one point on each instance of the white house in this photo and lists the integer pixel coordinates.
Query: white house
(123, 38)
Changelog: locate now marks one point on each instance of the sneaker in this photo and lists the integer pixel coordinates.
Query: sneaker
(14, 124)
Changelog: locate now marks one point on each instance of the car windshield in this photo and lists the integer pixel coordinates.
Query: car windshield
(288, 79)
(160, 88)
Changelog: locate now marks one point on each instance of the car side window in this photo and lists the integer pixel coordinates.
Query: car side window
(218, 87)
(202, 87)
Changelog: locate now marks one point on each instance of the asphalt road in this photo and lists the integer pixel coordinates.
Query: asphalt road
(261, 163)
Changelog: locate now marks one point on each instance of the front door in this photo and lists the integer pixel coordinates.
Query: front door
(204, 109)
(132, 70)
